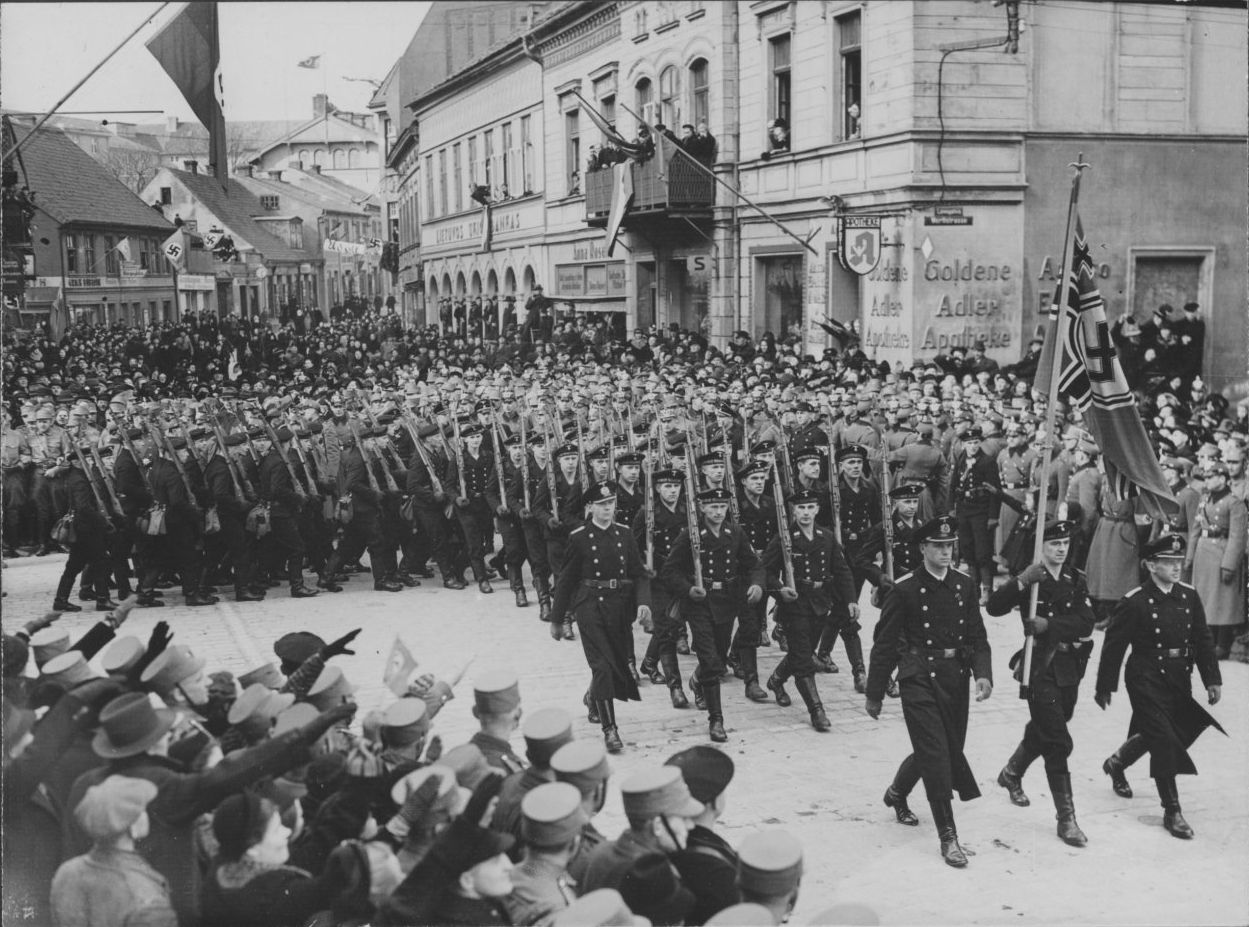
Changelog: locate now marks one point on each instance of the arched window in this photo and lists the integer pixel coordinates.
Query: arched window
(305, 157)
(669, 97)
(320, 158)
(645, 96)
(353, 157)
(340, 159)
(700, 93)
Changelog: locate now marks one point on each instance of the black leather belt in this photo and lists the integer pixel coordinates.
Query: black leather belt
(1014, 485)
(607, 583)
(1068, 646)
(1174, 653)
(1213, 533)
(949, 653)
(810, 584)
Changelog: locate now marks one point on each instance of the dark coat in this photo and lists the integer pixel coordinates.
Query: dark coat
(708, 868)
(279, 897)
(967, 498)
(128, 478)
(277, 488)
(1155, 624)
(906, 555)
(821, 574)
(1065, 603)
(922, 619)
(728, 561)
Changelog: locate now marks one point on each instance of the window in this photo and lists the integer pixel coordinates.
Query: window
(269, 201)
(700, 93)
(526, 155)
(669, 97)
(429, 186)
(388, 136)
(572, 151)
(607, 106)
(340, 159)
(457, 176)
(850, 73)
(780, 96)
(88, 253)
(487, 157)
(72, 261)
(112, 260)
(473, 172)
(645, 100)
(145, 257)
(509, 161)
(166, 196)
(442, 182)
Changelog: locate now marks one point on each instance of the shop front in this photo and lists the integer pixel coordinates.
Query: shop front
(586, 282)
(98, 299)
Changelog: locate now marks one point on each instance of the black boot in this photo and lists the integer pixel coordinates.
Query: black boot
(633, 671)
(64, 605)
(485, 587)
(700, 701)
(105, 604)
(750, 668)
(1011, 776)
(943, 817)
(1068, 830)
(591, 708)
(1172, 818)
(243, 594)
(683, 642)
(672, 677)
(300, 591)
(518, 586)
(567, 630)
(1117, 763)
(715, 714)
(326, 580)
(650, 669)
(776, 682)
(522, 600)
(611, 734)
(811, 697)
(543, 587)
(901, 810)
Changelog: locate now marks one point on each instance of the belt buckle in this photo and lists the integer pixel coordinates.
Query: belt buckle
(613, 584)
(949, 653)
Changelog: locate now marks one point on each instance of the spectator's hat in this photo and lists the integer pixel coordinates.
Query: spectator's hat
(1059, 530)
(744, 914)
(652, 889)
(268, 675)
(122, 655)
(600, 492)
(603, 907)
(468, 763)
(66, 670)
(296, 647)
(129, 725)
(47, 643)
(173, 665)
(906, 491)
(551, 815)
(496, 692)
(109, 808)
(803, 497)
(582, 763)
(706, 770)
(974, 433)
(850, 451)
(1169, 546)
(769, 863)
(331, 688)
(545, 731)
(939, 530)
(658, 790)
(255, 710)
(405, 722)
(709, 496)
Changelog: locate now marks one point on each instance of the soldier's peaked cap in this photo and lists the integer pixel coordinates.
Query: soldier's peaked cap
(938, 529)
(547, 729)
(552, 814)
(582, 763)
(1169, 545)
(658, 790)
(667, 475)
(600, 492)
(714, 495)
(906, 491)
(769, 863)
(1059, 530)
(497, 692)
(851, 451)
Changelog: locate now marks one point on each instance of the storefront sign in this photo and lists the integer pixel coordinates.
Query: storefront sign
(79, 281)
(596, 280)
(615, 280)
(859, 247)
(131, 269)
(197, 282)
(570, 280)
(589, 251)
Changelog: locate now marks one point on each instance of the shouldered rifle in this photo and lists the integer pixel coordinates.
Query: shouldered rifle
(95, 490)
(458, 450)
(497, 441)
(785, 467)
(108, 479)
(309, 482)
(364, 455)
(887, 522)
(583, 472)
(524, 460)
(163, 440)
(691, 515)
(277, 446)
(782, 531)
(423, 454)
(730, 482)
(552, 461)
(834, 487)
(236, 477)
(138, 461)
(650, 513)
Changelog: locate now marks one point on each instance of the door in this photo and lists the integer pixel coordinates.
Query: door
(647, 294)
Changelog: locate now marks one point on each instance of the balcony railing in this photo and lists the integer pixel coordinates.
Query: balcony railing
(679, 187)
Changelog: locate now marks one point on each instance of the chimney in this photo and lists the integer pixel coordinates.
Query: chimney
(171, 124)
(316, 168)
(275, 175)
(320, 104)
(192, 166)
(251, 170)
(295, 165)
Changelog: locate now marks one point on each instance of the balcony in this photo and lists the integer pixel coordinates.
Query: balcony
(680, 189)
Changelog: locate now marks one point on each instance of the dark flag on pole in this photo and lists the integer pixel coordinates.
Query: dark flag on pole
(1091, 379)
(621, 198)
(609, 131)
(189, 49)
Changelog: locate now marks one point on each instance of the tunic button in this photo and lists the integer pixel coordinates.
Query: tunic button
(933, 675)
(923, 608)
(926, 624)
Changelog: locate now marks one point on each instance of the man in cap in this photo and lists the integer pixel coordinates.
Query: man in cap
(286, 504)
(603, 585)
(174, 488)
(655, 537)
(479, 497)
(973, 505)
(922, 462)
(757, 515)
(551, 820)
(51, 450)
(15, 463)
(235, 546)
(562, 511)
(583, 763)
(1216, 550)
(1061, 630)
(545, 731)
(931, 630)
(659, 807)
(431, 500)
(496, 706)
(1164, 622)
(708, 864)
(769, 872)
(711, 594)
(808, 568)
(1084, 488)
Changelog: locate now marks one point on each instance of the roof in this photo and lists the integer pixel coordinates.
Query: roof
(323, 200)
(72, 187)
(235, 207)
(335, 186)
(320, 130)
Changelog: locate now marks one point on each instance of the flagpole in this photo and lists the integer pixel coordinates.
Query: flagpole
(1051, 413)
(61, 102)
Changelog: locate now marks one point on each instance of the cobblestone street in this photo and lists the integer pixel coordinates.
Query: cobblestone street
(826, 789)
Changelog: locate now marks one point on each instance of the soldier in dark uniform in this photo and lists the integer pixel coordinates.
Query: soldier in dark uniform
(860, 509)
(730, 570)
(533, 528)
(1164, 623)
(808, 435)
(184, 521)
(88, 552)
(708, 863)
(630, 489)
(132, 488)
(481, 497)
(932, 631)
(660, 661)
(496, 706)
(238, 547)
(757, 511)
(975, 508)
(906, 555)
(583, 763)
(565, 512)
(285, 500)
(602, 585)
(821, 584)
(509, 518)
(1062, 642)
(364, 531)
(431, 501)
(808, 465)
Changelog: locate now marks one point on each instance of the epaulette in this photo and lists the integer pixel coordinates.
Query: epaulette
(1131, 592)
(576, 529)
(1180, 582)
(960, 572)
(900, 578)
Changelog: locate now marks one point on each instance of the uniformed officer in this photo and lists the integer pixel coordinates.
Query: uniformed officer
(1062, 643)
(545, 731)
(563, 512)
(973, 507)
(660, 661)
(425, 485)
(286, 501)
(584, 763)
(510, 520)
(708, 864)
(480, 499)
(932, 631)
(496, 706)
(821, 583)
(534, 529)
(757, 513)
(730, 570)
(769, 872)
(603, 584)
(1216, 550)
(629, 487)
(551, 820)
(1164, 623)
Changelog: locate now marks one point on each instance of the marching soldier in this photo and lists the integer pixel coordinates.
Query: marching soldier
(973, 507)
(821, 583)
(1164, 622)
(509, 517)
(1062, 642)
(932, 631)
(562, 512)
(364, 531)
(236, 545)
(534, 529)
(285, 499)
(660, 662)
(431, 500)
(478, 499)
(184, 521)
(602, 585)
(728, 567)
(758, 520)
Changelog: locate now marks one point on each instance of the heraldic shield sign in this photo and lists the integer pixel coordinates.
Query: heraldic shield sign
(860, 244)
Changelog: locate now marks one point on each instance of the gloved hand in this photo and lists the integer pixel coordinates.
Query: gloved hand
(461, 502)
(480, 807)
(984, 688)
(872, 707)
(754, 594)
(161, 636)
(420, 800)
(1033, 573)
(340, 647)
(644, 618)
(553, 523)
(503, 511)
(1102, 700)
(1038, 625)
(698, 593)
(789, 594)
(526, 513)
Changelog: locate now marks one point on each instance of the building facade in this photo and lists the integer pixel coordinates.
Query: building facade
(343, 145)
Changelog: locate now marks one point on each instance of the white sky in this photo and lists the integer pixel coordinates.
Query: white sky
(45, 48)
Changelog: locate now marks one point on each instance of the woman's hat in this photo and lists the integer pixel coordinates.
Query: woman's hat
(129, 725)
(109, 808)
